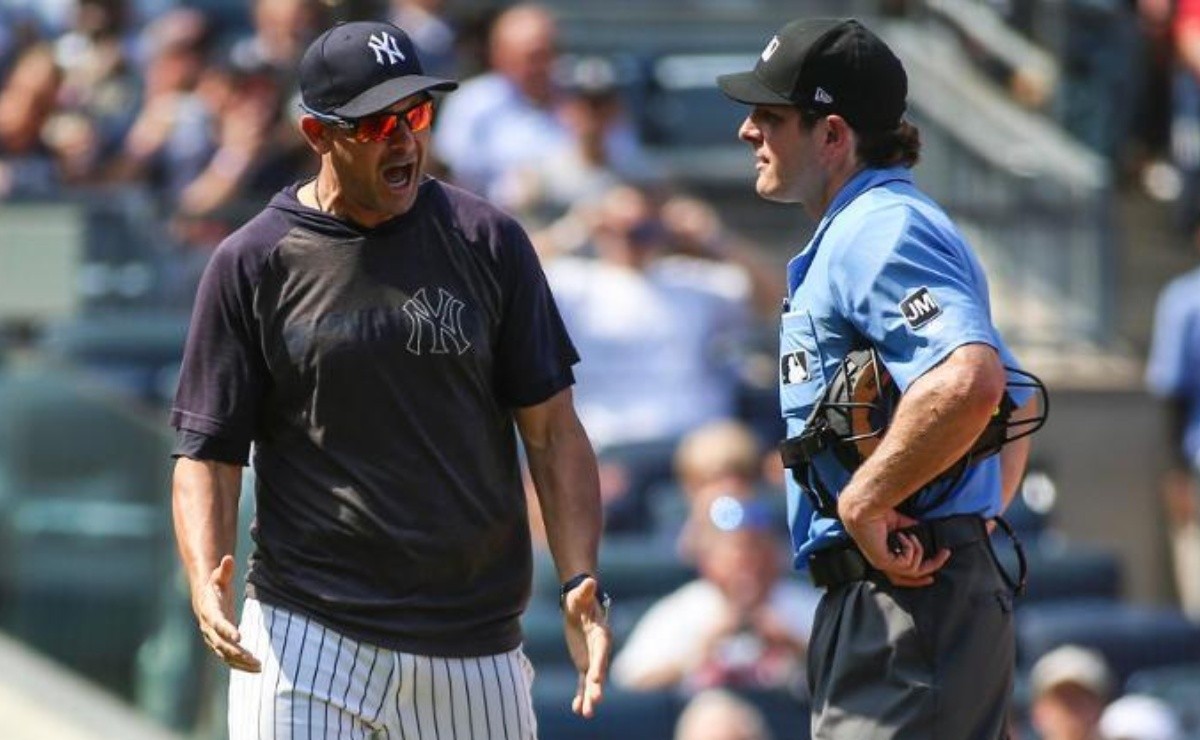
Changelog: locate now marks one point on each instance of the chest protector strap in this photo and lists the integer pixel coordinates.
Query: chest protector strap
(854, 413)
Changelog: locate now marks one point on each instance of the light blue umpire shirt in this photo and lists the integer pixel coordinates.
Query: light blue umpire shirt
(1171, 371)
(885, 267)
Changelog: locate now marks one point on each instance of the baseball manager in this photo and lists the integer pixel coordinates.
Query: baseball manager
(374, 334)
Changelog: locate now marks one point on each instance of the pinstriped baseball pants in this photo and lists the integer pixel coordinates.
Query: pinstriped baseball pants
(316, 683)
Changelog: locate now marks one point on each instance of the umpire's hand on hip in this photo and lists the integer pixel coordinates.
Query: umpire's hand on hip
(213, 605)
(906, 566)
(589, 641)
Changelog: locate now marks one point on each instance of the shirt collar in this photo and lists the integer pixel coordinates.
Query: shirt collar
(861, 182)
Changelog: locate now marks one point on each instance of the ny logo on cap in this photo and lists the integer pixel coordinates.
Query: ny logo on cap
(770, 50)
(385, 43)
(822, 97)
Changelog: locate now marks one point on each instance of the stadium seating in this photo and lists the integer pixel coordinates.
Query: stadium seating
(1063, 573)
(626, 715)
(1178, 686)
(85, 544)
(787, 717)
(1131, 638)
(649, 715)
(134, 352)
(634, 568)
(643, 466)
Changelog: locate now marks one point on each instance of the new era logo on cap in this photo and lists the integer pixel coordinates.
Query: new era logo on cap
(384, 44)
(772, 46)
(822, 97)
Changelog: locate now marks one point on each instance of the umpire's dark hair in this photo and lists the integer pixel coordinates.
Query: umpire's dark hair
(895, 147)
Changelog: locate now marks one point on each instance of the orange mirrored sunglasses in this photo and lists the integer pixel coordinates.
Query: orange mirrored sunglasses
(380, 126)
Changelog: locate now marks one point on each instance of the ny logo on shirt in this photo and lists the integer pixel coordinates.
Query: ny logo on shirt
(435, 329)
(385, 43)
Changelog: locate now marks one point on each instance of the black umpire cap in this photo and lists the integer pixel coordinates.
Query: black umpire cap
(826, 66)
(356, 69)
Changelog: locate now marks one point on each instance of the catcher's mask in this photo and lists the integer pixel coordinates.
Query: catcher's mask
(851, 417)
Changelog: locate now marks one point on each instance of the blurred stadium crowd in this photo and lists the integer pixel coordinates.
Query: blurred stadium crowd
(143, 132)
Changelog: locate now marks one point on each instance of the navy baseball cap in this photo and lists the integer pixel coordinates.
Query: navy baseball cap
(356, 69)
(827, 66)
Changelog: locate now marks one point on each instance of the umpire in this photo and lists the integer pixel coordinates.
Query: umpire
(913, 637)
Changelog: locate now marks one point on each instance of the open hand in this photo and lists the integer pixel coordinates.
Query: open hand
(589, 640)
(213, 606)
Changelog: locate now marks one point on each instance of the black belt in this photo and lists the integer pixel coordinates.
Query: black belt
(843, 563)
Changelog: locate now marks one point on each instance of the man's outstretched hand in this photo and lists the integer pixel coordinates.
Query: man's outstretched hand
(213, 606)
(589, 641)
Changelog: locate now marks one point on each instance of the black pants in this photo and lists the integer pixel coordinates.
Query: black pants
(915, 663)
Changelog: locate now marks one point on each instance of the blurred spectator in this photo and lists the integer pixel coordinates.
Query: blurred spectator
(282, 30)
(692, 228)
(100, 88)
(717, 714)
(718, 459)
(9, 43)
(1099, 63)
(27, 165)
(994, 35)
(1185, 103)
(1071, 686)
(739, 625)
(48, 18)
(1147, 150)
(582, 169)
(507, 120)
(697, 230)
(173, 136)
(1098, 93)
(658, 333)
(1140, 717)
(17, 32)
(258, 151)
(1171, 375)
(432, 33)
(502, 119)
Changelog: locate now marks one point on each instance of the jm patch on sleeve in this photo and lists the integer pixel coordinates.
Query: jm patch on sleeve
(919, 308)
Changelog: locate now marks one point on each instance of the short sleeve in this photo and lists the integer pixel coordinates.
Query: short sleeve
(199, 446)
(223, 374)
(534, 355)
(913, 290)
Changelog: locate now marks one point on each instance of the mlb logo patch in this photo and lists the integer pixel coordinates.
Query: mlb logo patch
(919, 308)
(793, 368)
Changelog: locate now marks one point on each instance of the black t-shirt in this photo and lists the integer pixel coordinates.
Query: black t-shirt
(375, 371)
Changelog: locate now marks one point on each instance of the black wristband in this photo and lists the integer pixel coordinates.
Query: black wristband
(569, 585)
(601, 595)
